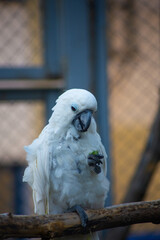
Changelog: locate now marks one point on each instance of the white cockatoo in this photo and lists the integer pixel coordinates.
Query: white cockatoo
(67, 162)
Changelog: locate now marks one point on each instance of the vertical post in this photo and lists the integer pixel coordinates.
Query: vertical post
(18, 189)
(76, 59)
(101, 80)
(51, 38)
(52, 48)
(50, 100)
(101, 83)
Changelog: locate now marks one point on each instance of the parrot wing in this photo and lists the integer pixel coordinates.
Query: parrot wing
(37, 172)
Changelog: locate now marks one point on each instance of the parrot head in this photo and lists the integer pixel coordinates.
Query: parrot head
(74, 107)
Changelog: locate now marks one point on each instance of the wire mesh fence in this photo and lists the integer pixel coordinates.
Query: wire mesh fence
(134, 81)
(21, 33)
(21, 45)
(20, 123)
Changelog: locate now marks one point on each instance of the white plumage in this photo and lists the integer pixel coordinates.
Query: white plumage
(58, 169)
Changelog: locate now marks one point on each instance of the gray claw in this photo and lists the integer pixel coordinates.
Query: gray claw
(82, 214)
(94, 160)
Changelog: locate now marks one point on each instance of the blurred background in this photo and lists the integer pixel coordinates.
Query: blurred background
(111, 48)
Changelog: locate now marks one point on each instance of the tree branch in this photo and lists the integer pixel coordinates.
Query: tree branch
(49, 226)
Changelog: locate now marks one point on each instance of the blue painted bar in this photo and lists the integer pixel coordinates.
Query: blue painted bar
(101, 80)
(22, 73)
(76, 43)
(18, 189)
(50, 101)
(22, 95)
(51, 38)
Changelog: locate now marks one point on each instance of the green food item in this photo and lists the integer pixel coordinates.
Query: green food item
(95, 153)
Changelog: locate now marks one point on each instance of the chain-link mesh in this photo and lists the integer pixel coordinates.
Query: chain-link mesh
(20, 123)
(21, 45)
(21, 33)
(134, 81)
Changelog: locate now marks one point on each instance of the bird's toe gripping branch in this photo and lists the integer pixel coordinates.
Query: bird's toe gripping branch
(94, 160)
(82, 214)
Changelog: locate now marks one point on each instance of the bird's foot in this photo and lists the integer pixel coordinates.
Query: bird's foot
(82, 214)
(94, 160)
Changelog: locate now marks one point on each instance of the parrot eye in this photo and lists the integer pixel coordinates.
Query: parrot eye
(74, 107)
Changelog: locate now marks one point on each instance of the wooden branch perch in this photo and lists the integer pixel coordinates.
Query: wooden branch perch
(49, 226)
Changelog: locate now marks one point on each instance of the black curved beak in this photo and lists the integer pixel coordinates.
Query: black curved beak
(82, 120)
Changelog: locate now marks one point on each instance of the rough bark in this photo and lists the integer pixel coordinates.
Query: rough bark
(49, 226)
